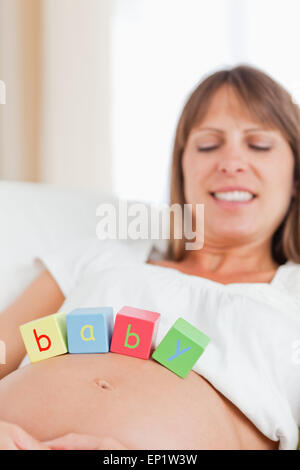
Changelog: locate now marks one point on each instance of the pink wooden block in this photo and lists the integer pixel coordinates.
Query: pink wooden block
(134, 332)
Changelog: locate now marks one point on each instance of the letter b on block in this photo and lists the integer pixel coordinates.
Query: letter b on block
(45, 337)
(134, 332)
(182, 346)
(90, 329)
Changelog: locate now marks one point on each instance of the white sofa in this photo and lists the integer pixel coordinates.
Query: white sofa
(35, 217)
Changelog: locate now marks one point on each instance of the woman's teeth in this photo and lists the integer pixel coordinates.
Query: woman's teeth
(234, 196)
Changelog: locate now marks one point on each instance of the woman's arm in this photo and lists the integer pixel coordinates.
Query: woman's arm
(75, 441)
(12, 437)
(42, 297)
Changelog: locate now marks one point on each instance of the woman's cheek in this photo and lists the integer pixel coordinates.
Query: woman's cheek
(198, 185)
(194, 183)
(279, 203)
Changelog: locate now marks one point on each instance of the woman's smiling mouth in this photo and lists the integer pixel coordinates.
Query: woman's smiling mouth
(232, 198)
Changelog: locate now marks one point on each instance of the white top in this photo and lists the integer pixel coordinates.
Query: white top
(253, 357)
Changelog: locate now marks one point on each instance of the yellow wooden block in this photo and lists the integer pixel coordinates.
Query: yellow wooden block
(45, 337)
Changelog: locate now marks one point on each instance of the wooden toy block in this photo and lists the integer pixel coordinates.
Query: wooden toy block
(180, 349)
(134, 332)
(45, 337)
(90, 329)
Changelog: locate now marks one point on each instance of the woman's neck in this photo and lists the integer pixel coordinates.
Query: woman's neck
(228, 261)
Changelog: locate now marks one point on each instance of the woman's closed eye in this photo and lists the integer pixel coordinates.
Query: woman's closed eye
(208, 148)
(261, 148)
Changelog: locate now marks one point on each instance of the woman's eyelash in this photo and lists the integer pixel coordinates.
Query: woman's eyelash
(207, 149)
(254, 147)
(263, 149)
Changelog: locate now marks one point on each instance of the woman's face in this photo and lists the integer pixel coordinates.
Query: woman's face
(241, 171)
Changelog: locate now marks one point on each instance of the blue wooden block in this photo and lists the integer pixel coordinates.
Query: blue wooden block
(90, 329)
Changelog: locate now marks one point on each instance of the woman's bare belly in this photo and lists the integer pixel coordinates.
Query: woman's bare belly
(139, 402)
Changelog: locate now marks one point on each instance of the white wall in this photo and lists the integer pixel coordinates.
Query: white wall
(19, 69)
(54, 60)
(161, 49)
(75, 147)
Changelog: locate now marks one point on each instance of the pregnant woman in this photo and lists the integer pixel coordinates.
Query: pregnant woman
(236, 150)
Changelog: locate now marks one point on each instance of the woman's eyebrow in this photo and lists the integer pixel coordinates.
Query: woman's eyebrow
(258, 129)
(214, 129)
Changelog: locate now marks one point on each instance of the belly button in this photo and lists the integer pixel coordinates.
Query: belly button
(103, 384)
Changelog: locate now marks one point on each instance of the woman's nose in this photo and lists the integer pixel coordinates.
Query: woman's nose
(232, 164)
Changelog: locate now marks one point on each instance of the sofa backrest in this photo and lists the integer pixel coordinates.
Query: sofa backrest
(35, 217)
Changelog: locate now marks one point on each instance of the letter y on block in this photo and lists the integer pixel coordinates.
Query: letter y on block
(181, 334)
(178, 352)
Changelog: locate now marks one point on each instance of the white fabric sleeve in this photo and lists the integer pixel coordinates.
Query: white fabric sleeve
(70, 261)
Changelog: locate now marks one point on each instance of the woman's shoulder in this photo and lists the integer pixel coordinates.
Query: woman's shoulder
(288, 278)
(117, 252)
(77, 259)
(288, 270)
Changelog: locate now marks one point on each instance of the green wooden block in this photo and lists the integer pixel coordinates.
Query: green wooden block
(181, 348)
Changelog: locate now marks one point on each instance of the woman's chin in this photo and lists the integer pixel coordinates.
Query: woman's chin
(237, 235)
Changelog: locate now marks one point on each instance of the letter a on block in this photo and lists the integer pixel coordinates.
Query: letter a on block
(83, 335)
(182, 346)
(134, 332)
(45, 337)
(90, 329)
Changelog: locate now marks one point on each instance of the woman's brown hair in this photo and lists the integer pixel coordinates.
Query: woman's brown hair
(270, 104)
